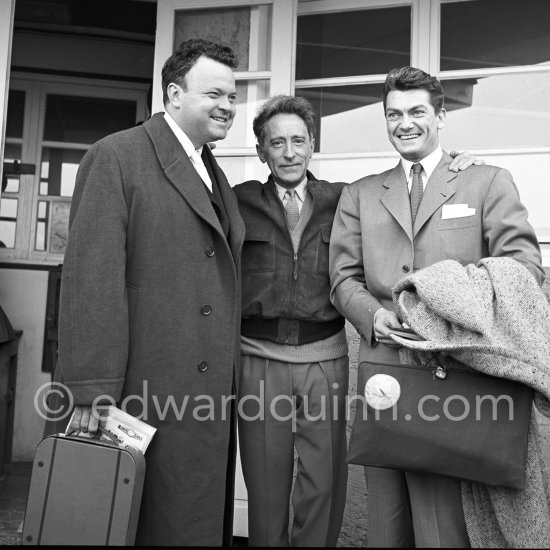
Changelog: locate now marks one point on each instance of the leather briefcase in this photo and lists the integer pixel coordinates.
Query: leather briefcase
(446, 421)
(83, 491)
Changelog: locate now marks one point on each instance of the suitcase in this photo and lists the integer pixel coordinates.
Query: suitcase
(83, 491)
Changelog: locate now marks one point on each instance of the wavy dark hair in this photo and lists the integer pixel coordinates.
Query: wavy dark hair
(410, 78)
(186, 55)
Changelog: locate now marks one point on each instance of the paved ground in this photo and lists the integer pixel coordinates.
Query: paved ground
(13, 496)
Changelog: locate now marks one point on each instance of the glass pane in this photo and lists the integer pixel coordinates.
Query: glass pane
(7, 234)
(58, 171)
(351, 118)
(42, 225)
(86, 119)
(60, 226)
(498, 111)
(10, 183)
(16, 111)
(495, 33)
(353, 42)
(250, 94)
(247, 30)
(8, 222)
(8, 208)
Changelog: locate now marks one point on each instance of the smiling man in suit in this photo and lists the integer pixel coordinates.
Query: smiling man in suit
(150, 295)
(390, 224)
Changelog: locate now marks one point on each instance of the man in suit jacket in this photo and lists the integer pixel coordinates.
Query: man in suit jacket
(380, 233)
(150, 300)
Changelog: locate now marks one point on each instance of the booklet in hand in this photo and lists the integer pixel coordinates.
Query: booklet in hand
(117, 426)
(407, 333)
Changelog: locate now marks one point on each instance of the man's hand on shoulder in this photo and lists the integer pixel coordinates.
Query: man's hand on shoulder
(463, 160)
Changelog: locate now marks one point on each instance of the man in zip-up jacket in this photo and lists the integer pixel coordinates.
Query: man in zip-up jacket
(294, 348)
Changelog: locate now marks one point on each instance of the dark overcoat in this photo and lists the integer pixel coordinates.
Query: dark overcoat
(149, 315)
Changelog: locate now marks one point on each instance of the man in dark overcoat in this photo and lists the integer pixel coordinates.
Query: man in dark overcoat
(150, 298)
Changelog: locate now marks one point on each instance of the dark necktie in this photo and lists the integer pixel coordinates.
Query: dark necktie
(416, 189)
(292, 211)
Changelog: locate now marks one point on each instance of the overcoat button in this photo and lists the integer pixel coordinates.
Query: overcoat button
(202, 366)
(206, 309)
(406, 268)
(209, 251)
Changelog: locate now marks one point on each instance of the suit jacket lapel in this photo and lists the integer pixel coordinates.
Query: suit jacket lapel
(396, 199)
(236, 224)
(178, 169)
(439, 189)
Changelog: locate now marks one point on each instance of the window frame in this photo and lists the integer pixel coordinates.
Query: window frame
(419, 38)
(282, 49)
(36, 91)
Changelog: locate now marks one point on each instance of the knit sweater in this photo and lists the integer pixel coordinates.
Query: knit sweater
(494, 318)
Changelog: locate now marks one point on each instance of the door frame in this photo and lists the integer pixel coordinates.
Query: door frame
(7, 11)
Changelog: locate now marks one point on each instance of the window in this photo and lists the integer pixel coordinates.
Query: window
(247, 31)
(342, 58)
(51, 124)
(501, 33)
(11, 175)
(494, 64)
(261, 32)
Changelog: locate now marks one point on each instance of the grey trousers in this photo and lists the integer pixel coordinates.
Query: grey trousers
(303, 409)
(408, 509)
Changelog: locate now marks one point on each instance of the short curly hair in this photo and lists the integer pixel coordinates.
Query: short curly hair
(186, 55)
(284, 104)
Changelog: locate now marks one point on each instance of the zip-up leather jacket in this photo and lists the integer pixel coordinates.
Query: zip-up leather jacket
(285, 295)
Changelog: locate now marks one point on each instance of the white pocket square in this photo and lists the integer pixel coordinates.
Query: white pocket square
(456, 211)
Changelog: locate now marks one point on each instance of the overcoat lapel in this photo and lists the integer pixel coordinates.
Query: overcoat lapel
(439, 189)
(236, 224)
(178, 169)
(396, 199)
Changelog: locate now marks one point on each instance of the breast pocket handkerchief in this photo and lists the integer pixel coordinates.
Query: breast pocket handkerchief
(456, 211)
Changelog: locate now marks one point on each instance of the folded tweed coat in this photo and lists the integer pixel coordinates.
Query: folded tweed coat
(494, 318)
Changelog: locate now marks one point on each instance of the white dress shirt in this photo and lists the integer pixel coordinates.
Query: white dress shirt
(193, 154)
(429, 164)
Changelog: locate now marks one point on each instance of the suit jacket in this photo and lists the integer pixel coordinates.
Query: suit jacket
(374, 243)
(150, 314)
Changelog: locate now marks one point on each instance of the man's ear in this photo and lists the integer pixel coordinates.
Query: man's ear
(175, 94)
(260, 152)
(441, 118)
